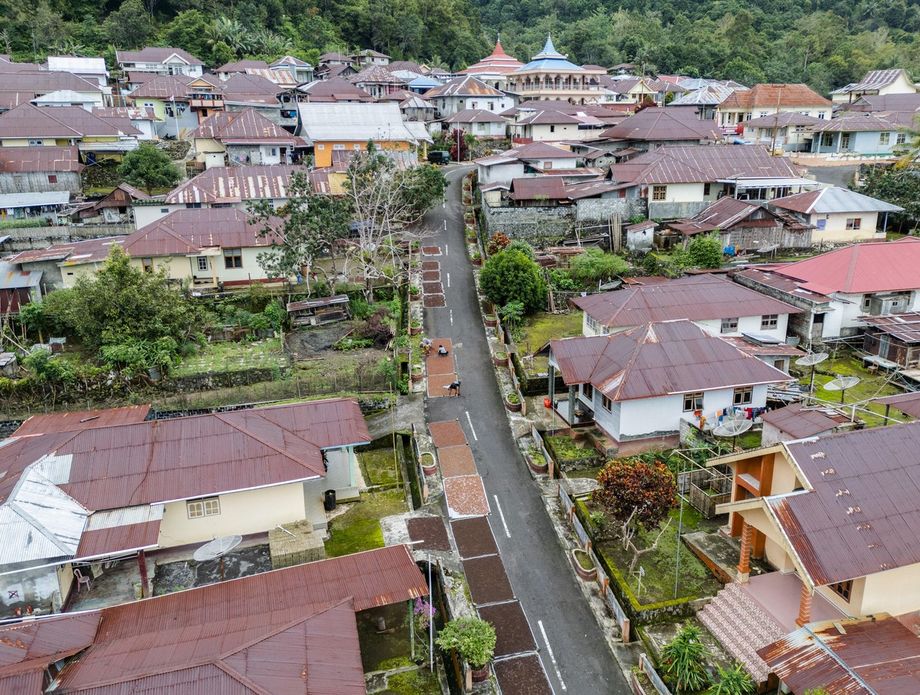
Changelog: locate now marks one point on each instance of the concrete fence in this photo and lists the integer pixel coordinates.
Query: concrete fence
(645, 665)
(28, 238)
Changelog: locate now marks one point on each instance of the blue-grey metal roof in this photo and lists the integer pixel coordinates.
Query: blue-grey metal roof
(550, 59)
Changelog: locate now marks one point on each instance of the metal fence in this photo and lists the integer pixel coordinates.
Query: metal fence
(541, 445)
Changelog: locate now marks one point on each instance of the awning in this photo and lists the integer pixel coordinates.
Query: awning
(773, 182)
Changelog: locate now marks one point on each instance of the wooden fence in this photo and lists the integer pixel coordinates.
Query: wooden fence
(705, 488)
(420, 474)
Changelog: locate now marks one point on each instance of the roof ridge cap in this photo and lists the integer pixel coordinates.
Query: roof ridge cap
(238, 428)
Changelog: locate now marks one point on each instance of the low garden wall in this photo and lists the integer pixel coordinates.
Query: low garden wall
(27, 238)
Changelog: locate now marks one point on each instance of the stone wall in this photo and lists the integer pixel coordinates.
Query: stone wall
(26, 238)
(602, 209)
(541, 226)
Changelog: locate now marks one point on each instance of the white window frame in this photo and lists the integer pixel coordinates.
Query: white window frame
(695, 400)
(769, 321)
(884, 138)
(854, 224)
(202, 262)
(743, 395)
(203, 507)
(729, 325)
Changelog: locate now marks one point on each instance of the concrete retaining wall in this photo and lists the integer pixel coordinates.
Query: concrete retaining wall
(26, 238)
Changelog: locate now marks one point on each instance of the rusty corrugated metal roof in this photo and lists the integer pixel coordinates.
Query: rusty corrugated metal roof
(82, 420)
(862, 515)
(236, 184)
(37, 643)
(658, 359)
(866, 656)
(247, 126)
(701, 297)
(798, 420)
(40, 159)
(289, 630)
(117, 539)
(905, 402)
(660, 124)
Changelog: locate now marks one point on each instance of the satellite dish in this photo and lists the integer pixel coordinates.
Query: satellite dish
(811, 359)
(216, 549)
(841, 383)
(732, 428)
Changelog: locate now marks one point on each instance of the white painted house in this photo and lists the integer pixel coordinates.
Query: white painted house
(638, 385)
(531, 159)
(162, 60)
(467, 92)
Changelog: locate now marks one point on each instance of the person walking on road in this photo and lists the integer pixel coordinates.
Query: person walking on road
(453, 388)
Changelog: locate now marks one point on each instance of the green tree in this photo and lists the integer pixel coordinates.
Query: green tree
(510, 276)
(472, 638)
(733, 681)
(705, 251)
(594, 266)
(898, 186)
(149, 167)
(130, 26)
(302, 230)
(188, 30)
(684, 659)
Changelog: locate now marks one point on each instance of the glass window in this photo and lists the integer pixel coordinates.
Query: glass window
(884, 138)
(843, 589)
(744, 395)
(233, 258)
(208, 506)
(659, 192)
(768, 321)
(52, 178)
(693, 401)
(202, 262)
(854, 222)
(147, 264)
(706, 188)
(605, 403)
(587, 390)
(729, 325)
(900, 139)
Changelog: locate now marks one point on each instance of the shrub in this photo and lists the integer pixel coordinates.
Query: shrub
(562, 281)
(733, 681)
(705, 251)
(498, 242)
(522, 246)
(510, 276)
(472, 638)
(684, 659)
(594, 265)
(513, 398)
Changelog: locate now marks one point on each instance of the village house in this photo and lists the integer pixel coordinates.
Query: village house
(495, 68)
(96, 138)
(789, 131)
(635, 90)
(332, 90)
(534, 158)
(377, 81)
(370, 57)
(800, 420)
(639, 384)
(241, 473)
(244, 137)
(61, 88)
(219, 637)
(832, 515)
(876, 83)
(116, 207)
(142, 120)
(653, 127)
(901, 107)
(837, 289)
(859, 134)
(703, 96)
(678, 182)
(415, 108)
(550, 75)
(467, 92)
(162, 60)
(743, 227)
(553, 125)
(895, 339)
(91, 69)
(480, 123)
(40, 169)
(52, 262)
(300, 69)
(17, 288)
(838, 215)
(767, 99)
(169, 98)
(330, 127)
(222, 187)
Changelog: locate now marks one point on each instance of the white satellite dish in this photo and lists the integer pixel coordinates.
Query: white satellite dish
(813, 359)
(216, 549)
(841, 383)
(732, 428)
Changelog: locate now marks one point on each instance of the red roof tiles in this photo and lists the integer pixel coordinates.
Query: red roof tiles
(773, 95)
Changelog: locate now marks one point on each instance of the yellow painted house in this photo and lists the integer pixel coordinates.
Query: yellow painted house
(348, 127)
(63, 126)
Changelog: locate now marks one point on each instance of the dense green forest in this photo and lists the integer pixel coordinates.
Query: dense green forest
(826, 43)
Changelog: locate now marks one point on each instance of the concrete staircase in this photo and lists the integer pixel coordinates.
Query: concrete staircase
(741, 624)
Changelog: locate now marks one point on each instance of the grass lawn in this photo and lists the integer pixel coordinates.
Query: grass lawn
(379, 466)
(870, 386)
(539, 329)
(694, 579)
(229, 356)
(585, 472)
(359, 528)
(749, 440)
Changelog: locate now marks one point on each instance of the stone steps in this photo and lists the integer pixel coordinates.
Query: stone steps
(742, 626)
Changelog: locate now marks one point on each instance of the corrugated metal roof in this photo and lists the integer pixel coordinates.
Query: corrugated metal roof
(904, 327)
(654, 124)
(97, 249)
(36, 643)
(353, 122)
(862, 514)
(118, 539)
(865, 656)
(466, 86)
(658, 359)
(875, 79)
(773, 95)
(855, 123)
(28, 121)
(40, 159)
(289, 630)
(799, 421)
(156, 54)
(236, 184)
(695, 297)
(74, 420)
(783, 120)
(13, 279)
(538, 188)
(34, 199)
(905, 402)
(474, 116)
(833, 199)
(334, 89)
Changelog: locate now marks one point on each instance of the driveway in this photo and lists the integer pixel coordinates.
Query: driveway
(572, 646)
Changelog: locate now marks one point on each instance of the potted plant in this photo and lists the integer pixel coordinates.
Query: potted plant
(416, 373)
(476, 258)
(414, 291)
(470, 233)
(474, 641)
(500, 359)
(584, 564)
(429, 465)
(513, 402)
(491, 320)
(415, 327)
(537, 461)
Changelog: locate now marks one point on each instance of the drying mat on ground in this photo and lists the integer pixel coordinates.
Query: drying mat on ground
(429, 529)
(522, 676)
(474, 537)
(438, 383)
(431, 265)
(487, 580)
(465, 496)
(433, 301)
(431, 250)
(513, 635)
(456, 460)
(431, 276)
(432, 288)
(446, 433)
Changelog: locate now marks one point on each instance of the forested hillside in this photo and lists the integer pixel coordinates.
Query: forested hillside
(826, 43)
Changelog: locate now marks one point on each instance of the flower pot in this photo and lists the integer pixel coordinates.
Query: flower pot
(415, 330)
(477, 261)
(538, 465)
(513, 407)
(491, 321)
(417, 377)
(586, 574)
(480, 674)
(500, 361)
(429, 465)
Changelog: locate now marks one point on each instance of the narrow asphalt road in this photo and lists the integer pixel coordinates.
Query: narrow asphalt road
(577, 659)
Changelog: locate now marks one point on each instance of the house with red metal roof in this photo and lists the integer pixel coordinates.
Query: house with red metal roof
(75, 494)
(639, 385)
(768, 99)
(242, 137)
(53, 168)
(835, 517)
(291, 630)
(467, 92)
(838, 288)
